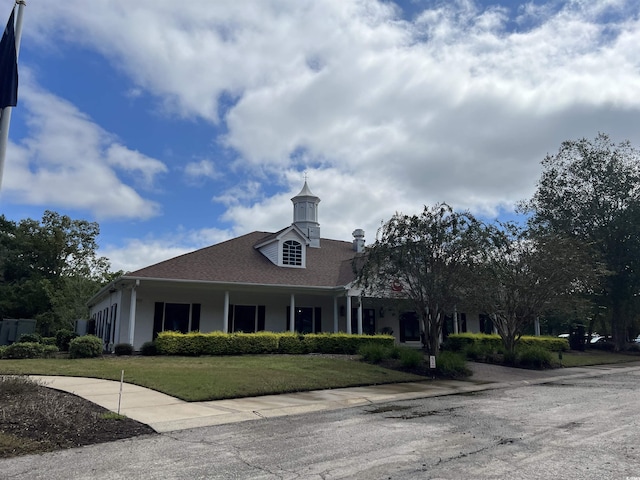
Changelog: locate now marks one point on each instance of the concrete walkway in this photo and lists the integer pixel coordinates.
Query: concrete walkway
(165, 413)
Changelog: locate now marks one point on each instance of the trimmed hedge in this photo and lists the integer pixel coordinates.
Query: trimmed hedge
(218, 343)
(480, 342)
(553, 344)
(22, 350)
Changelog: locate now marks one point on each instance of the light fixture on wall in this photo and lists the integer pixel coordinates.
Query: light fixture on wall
(381, 312)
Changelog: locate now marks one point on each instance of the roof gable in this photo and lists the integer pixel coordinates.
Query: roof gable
(273, 247)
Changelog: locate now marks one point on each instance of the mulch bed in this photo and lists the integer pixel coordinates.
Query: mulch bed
(36, 419)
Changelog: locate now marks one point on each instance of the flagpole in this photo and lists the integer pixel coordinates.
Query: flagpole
(5, 116)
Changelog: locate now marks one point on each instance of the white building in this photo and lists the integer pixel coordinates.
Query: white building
(290, 280)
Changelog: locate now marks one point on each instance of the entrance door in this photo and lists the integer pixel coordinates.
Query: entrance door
(409, 327)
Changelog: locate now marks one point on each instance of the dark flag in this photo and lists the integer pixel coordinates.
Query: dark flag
(8, 66)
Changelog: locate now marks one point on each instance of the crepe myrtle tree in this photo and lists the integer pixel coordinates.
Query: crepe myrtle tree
(527, 273)
(590, 190)
(428, 259)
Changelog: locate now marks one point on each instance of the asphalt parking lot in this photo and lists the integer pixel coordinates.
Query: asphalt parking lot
(580, 428)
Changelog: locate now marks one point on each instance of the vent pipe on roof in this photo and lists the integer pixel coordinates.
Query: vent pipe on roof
(358, 240)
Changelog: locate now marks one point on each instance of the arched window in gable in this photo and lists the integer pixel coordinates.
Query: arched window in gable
(292, 253)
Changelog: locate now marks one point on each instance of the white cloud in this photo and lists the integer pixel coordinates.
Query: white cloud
(68, 161)
(144, 168)
(387, 114)
(197, 171)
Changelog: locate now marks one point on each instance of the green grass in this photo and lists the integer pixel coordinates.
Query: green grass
(213, 378)
(594, 357)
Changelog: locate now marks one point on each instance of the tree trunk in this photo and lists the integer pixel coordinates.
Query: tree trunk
(617, 324)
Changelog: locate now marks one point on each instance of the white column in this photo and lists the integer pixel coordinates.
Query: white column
(132, 312)
(349, 314)
(118, 316)
(335, 314)
(537, 326)
(360, 316)
(225, 313)
(292, 314)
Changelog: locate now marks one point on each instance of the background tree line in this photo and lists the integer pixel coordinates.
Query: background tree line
(575, 255)
(49, 269)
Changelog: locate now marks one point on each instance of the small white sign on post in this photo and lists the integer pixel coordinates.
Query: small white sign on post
(120, 395)
(432, 361)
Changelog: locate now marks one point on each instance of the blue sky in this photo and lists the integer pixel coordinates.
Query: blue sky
(178, 125)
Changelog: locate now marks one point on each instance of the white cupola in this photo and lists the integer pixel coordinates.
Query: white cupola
(305, 215)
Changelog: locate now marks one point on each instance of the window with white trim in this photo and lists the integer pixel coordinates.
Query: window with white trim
(292, 253)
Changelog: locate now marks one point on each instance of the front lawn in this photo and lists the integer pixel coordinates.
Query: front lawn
(213, 378)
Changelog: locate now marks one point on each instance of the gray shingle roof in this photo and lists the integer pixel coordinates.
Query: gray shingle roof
(237, 261)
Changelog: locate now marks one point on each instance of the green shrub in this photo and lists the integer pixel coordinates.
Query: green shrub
(458, 342)
(534, 357)
(24, 350)
(489, 348)
(394, 352)
(374, 353)
(553, 344)
(292, 344)
(49, 351)
(30, 338)
(167, 343)
(452, 365)
(63, 338)
(254, 343)
(193, 344)
(123, 349)
(3, 348)
(87, 346)
(482, 352)
(511, 358)
(344, 343)
(148, 349)
(330, 343)
(218, 343)
(410, 357)
(49, 341)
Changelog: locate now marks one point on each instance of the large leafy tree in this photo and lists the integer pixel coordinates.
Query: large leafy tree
(590, 190)
(526, 274)
(428, 257)
(48, 269)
